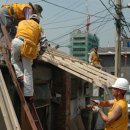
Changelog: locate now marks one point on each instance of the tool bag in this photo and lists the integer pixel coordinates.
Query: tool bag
(29, 49)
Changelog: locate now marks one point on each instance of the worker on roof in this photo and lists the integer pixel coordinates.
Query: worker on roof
(94, 58)
(10, 15)
(117, 117)
(25, 49)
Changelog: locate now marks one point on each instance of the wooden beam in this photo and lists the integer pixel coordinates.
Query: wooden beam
(6, 107)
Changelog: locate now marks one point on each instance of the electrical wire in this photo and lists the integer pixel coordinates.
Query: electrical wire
(85, 26)
(101, 24)
(113, 4)
(69, 26)
(59, 37)
(70, 9)
(107, 9)
(60, 27)
(70, 32)
(123, 19)
(62, 13)
(67, 20)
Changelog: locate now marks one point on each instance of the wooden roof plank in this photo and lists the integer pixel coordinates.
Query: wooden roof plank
(6, 107)
(78, 67)
(79, 71)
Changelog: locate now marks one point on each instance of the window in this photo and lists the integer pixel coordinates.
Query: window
(78, 55)
(79, 38)
(79, 49)
(113, 73)
(79, 43)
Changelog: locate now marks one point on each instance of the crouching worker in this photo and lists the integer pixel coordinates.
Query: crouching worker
(24, 50)
(94, 59)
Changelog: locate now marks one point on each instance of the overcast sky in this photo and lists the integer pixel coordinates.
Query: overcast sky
(61, 17)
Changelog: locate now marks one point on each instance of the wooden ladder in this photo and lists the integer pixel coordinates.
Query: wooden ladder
(31, 115)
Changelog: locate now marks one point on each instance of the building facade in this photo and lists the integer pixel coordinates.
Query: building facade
(81, 43)
(107, 56)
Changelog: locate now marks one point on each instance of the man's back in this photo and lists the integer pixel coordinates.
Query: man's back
(29, 29)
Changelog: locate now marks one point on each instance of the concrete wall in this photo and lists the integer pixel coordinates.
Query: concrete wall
(108, 62)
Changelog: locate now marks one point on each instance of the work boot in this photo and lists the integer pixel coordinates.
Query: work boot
(29, 99)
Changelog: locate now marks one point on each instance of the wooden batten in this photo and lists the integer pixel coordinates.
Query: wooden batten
(6, 106)
(78, 68)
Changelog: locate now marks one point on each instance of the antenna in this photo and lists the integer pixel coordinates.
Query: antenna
(88, 23)
(88, 17)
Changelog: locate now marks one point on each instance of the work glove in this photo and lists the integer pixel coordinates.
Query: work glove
(97, 102)
(95, 108)
(43, 48)
(41, 52)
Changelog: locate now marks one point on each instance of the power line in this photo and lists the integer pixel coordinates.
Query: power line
(101, 23)
(123, 19)
(66, 34)
(70, 9)
(60, 13)
(107, 9)
(71, 32)
(66, 26)
(79, 24)
(112, 3)
(66, 20)
(63, 7)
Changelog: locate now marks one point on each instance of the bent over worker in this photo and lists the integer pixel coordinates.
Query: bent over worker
(10, 15)
(94, 58)
(117, 118)
(24, 50)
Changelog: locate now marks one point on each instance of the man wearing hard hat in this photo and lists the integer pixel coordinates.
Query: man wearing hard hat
(117, 117)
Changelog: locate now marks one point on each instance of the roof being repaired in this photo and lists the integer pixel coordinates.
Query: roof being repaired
(78, 68)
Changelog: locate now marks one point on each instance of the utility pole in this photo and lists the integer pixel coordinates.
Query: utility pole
(118, 39)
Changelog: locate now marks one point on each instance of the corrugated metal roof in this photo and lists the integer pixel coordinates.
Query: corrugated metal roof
(111, 50)
(78, 67)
